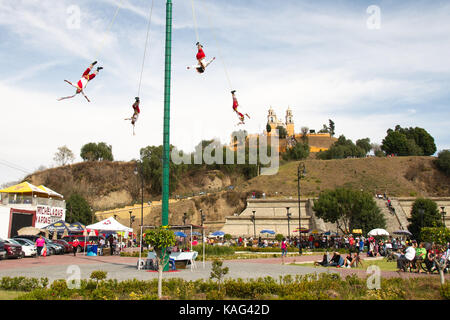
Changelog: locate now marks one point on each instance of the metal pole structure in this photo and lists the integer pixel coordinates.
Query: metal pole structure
(166, 131)
(301, 165)
(443, 213)
(254, 224)
(202, 217)
(289, 219)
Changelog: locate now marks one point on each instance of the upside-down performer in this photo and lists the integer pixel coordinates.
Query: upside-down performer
(235, 106)
(136, 112)
(201, 58)
(82, 83)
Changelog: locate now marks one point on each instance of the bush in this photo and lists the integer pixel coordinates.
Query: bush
(443, 161)
(445, 291)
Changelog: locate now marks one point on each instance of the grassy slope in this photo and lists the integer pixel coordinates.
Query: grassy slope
(398, 176)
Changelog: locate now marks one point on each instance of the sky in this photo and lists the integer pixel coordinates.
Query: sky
(367, 65)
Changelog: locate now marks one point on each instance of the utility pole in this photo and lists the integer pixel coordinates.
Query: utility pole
(166, 132)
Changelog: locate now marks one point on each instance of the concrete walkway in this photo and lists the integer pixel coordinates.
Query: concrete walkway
(123, 268)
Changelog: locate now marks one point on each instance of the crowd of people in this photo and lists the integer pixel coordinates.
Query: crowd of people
(422, 257)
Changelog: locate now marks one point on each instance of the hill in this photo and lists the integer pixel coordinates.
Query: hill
(113, 185)
(397, 176)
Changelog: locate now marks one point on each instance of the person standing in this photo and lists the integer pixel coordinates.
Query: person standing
(111, 244)
(75, 245)
(40, 242)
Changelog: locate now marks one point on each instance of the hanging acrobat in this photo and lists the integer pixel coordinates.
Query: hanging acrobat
(201, 58)
(235, 106)
(136, 113)
(82, 83)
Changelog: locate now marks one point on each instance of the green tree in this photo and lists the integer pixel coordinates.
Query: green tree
(282, 133)
(331, 127)
(160, 239)
(349, 209)
(408, 142)
(364, 144)
(78, 210)
(218, 272)
(341, 149)
(298, 152)
(424, 213)
(268, 127)
(443, 161)
(96, 152)
(151, 157)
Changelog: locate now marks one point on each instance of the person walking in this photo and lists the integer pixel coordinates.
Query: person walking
(75, 245)
(283, 249)
(40, 242)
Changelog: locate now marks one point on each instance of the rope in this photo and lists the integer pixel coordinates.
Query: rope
(195, 21)
(109, 28)
(220, 51)
(145, 49)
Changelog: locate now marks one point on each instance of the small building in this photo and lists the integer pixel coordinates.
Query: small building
(26, 205)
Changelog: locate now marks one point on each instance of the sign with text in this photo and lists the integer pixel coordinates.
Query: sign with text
(46, 215)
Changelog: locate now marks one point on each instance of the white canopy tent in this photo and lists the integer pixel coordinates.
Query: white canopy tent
(109, 224)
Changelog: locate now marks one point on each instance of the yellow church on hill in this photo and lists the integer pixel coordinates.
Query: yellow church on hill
(316, 141)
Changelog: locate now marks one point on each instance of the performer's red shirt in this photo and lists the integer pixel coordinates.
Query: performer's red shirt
(200, 54)
(136, 107)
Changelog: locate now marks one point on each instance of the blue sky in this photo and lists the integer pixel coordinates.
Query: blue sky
(318, 57)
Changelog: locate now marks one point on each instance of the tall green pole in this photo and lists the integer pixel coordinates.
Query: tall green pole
(166, 138)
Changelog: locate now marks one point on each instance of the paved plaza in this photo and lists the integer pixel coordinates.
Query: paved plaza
(123, 268)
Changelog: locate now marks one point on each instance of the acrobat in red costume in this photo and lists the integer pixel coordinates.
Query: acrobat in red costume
(82, 83)
(235, 106)
(136, 112)
(201, 58)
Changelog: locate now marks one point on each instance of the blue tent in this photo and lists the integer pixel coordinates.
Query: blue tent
(58, 227)
(77, 227)
(218, 233)
(268, 231)
(180, 234)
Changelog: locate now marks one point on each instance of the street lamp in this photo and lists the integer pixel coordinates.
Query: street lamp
(288, 214)
(184, 218)
(301, 170)
(138, 171)
(254, 223)
(443, 213)
(131, 218)
(202, 217)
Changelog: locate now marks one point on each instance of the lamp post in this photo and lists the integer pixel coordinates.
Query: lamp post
(288, 214)
(202, 217)
(138, 171)
(254, 223)
(131, 218)
(443, 213)
(301, 170)
(184, 218)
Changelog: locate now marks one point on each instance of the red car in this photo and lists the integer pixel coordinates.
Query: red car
(13, 250)
(81, 240)
(68, 248)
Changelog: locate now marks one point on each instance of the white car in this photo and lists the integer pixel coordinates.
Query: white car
(28, 247)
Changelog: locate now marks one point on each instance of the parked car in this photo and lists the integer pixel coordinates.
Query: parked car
(68, 248)
(13, 250)
(28, 247)
(51, 248)
(2, 249)
(56, 248)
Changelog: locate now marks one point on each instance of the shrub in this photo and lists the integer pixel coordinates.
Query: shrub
(445, 291)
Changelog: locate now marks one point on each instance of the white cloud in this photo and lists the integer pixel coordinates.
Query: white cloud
(321, 60)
